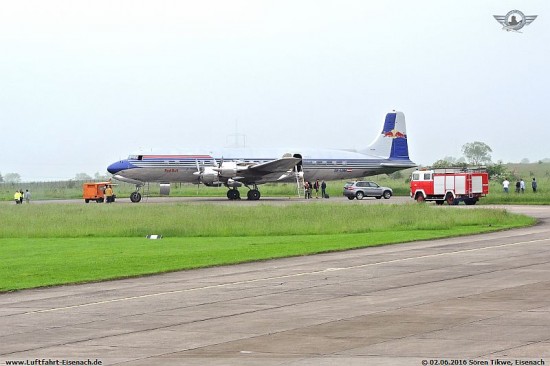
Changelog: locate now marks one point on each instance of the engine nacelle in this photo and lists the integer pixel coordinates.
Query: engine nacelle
(233, 183)
(227, 172)
(210, 180)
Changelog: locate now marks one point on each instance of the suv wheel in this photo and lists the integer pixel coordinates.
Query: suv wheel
(387, 194)
(359, 195)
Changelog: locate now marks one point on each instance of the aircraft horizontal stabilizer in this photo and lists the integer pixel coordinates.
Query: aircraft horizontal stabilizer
(398, 165)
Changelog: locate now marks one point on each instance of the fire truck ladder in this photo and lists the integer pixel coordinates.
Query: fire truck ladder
(469, 186)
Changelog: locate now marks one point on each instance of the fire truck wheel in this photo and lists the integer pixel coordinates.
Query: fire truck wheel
(470, 201)
(439, 202)
(359, 195)
(420, 198)
(450, 199)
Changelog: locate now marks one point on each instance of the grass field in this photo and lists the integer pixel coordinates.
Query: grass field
(52, 244)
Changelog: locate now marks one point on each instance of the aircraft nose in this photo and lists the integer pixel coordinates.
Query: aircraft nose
(118, 166)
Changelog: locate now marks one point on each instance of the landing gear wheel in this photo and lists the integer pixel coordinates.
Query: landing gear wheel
(253, 195)
(233, 194)
(135, 197)
(359, 195)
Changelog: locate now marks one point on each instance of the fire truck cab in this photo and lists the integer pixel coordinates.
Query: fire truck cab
(450, 185)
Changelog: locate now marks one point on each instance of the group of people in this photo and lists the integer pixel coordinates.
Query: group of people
(520, 185)
(308, 187)
(19, 196)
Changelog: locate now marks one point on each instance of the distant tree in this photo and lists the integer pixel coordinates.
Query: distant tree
(396, 175)
(477, 153)
(82, 176)
(1, 178)
(12, 178)
(450, 159)
(444, 163)
(98, 176)
(499, 171)
(524, 161)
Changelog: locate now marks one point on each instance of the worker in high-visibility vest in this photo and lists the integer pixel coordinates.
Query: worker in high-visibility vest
(108, 194)
(17, 197)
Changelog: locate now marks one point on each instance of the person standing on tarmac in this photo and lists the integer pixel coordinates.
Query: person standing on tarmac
(108, 194)
(323, 189)
(27, 196)
(17, 197)
(316, 187)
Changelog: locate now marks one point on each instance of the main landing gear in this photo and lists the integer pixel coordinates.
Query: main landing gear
(233, 194)
(251, 195)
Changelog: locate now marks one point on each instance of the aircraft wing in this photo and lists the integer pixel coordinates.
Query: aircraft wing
(267, 172)
(274, 166)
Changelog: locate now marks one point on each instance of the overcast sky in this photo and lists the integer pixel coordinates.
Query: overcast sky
(85, 83)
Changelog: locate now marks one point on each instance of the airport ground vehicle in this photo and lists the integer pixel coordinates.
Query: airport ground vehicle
(450, 185)
(362, 189)
(95, 191)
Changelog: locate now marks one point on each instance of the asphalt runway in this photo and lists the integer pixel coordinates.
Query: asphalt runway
(459, 301)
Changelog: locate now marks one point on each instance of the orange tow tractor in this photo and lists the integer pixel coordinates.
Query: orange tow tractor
(95, 191)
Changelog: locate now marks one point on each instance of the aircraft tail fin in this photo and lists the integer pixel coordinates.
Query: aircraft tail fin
(392, 141)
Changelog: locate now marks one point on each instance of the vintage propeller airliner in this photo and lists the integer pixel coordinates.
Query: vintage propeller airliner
(237, 167)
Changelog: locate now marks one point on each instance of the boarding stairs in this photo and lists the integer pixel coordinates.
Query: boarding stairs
(300, 182)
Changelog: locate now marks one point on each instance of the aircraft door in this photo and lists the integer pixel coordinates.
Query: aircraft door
(299, 166)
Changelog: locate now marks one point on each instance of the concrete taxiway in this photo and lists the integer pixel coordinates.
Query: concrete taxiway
(469, 299)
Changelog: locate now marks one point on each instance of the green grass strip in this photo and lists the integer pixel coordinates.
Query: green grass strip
(77, 243)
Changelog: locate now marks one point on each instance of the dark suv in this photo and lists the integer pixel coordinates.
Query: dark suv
(366, 189)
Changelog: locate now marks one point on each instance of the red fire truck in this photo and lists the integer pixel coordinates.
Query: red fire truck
(450, 185)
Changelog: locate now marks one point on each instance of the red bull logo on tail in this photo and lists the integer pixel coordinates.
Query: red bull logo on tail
(395, 134)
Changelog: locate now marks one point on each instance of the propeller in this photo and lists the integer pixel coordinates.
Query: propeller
(207, 175)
